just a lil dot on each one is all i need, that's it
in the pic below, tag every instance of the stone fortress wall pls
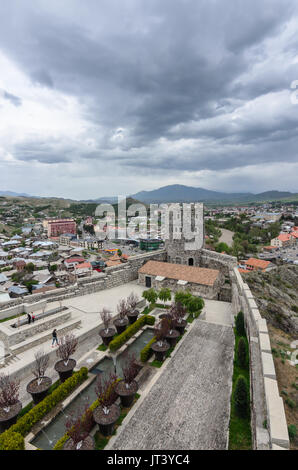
(266, 404)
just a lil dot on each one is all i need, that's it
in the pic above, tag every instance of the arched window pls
(190, 261)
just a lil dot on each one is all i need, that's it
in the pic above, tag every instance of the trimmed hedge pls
(12, 441)
(24, 425)
(130, 331)
(147, 352)
(60, 444)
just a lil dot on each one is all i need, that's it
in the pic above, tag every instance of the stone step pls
(44, 336)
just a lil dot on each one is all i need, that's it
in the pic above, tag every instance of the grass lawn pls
(239, 428)
(11, 318)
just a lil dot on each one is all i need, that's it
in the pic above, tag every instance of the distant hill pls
(181, 193)
(13, 194)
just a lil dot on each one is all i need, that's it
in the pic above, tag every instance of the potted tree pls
(107, 413)
(132, 313)
(172, 334)
(121, 322)
(106, 333)
(38, 387)
(161, 346)
(179, 312)
(66, 365)
(128, 387)
(78, 427)
(10, 405)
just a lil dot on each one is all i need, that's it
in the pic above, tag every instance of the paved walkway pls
(216, 311)
(188, 407)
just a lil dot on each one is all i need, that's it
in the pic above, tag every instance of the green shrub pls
(241, 397)
(12, 441)
(59, 444)
(121, 339)
(240, 328)
(292, 431)
(147, 352)
(26, 422)
(290, 403)
(241, 353)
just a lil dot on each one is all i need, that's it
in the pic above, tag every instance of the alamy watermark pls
(165, 221)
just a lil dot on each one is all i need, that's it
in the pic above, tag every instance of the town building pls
(284, 239)
(200, 281)
(255, 264)
(55, 227)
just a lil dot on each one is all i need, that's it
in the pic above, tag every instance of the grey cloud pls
(165, 70)
(15, 100)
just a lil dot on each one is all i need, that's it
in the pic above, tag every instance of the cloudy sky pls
(109, 97)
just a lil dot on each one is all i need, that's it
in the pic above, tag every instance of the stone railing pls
(268, 418)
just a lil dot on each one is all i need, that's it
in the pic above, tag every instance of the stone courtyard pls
(188, 406)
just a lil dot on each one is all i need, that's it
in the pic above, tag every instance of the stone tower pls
(185, 234)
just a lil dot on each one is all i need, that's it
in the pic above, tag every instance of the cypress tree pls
(241, 397)
(241, 353)
(240, 328)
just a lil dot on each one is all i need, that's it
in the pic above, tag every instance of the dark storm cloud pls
(160, 70)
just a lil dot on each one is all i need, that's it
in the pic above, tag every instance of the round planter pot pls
(181, 326)
(107, 336)
(120, 326)
(65, 371)
(160, 351)
(126, 395)
(88, 444)
(10, 418)
(132, 316)
(173, 337)
(39, 392)
(107, 422)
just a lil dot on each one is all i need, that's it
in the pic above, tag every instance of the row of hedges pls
(130, 331)
(13, 438)
(147, 352)
(240, 425)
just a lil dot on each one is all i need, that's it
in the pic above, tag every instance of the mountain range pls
(181, 193)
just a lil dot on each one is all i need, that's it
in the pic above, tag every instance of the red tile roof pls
(84, 265)
(181, 272)
(74, 260)
(284, 237)
(257, 263)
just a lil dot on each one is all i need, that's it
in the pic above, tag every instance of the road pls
(227, 236)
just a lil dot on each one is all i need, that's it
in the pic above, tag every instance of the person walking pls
(55, 339)
(29, 318)
(33, 317)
